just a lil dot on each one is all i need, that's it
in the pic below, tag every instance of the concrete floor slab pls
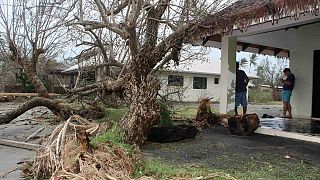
(10, 157)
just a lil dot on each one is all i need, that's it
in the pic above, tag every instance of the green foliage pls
(165, 114)
(243, 62)
(115, 136)
(22, 78)
(258, 96)
(115, 114)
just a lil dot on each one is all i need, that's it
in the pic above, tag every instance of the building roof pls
(211, 67)
(82, 64)
(244, 13)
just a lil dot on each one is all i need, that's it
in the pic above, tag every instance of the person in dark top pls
(242, 82)
(288, 85)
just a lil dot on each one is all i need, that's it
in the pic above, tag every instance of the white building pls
(189, 83)
(282, 28)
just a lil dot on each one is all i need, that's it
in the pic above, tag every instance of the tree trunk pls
(144, 111)
(54, 106)
(36, 82)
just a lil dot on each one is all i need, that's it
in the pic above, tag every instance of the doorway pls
(316, 85)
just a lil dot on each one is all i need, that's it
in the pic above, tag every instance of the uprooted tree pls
(152, 33)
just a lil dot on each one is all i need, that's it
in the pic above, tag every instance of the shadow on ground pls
(254, 157)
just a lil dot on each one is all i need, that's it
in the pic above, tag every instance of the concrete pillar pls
(228, 74)
(301, 64)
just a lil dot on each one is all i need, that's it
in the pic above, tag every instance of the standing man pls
(288, 85)
(242, 82)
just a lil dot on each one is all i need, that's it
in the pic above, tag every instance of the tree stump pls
(243, 125)
(205, 118)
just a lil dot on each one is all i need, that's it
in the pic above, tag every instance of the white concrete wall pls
(307, 40)
(190, 94)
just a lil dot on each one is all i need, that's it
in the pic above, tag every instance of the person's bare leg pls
(244, 110)
(289, 110)
(236, 110)
(285, 107)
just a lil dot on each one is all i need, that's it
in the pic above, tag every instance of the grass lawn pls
(272, 168)
(235, 166)
(189, 112)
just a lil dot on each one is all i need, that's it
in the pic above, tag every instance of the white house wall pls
(190, 94)
(307, 40)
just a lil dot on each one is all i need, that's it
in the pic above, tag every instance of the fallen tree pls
(55, 106)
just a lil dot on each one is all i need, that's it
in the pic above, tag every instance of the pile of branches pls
(205, 117)
(68, 154)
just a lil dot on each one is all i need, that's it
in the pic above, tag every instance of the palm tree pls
(252, 61)
(243, 62)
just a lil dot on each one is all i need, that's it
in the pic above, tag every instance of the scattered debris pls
(3, 175)
(7, 98)
(243, 125)
(266, 116)
(17, 144)
(68, 154)
(205, 118)
(33, 135)
(287, 157)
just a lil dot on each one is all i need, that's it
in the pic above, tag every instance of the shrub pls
(257, 95)
(165, 114)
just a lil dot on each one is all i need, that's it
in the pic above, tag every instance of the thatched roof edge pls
(244, 13)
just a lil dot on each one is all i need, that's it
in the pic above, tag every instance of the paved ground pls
(212, 148)
(257, 156)
(11, 158)
(19, 130)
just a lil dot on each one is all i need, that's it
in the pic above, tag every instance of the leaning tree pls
(154, 33)
(33, 32)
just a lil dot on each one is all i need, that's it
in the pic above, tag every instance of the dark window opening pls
(89, 76)
(199, 83)
(174, 80)
(216, 80)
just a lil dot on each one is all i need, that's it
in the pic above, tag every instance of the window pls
(216, 80)
(199, 83)
(174, 80)
(89, 76)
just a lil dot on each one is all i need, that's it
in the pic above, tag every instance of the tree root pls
(61, 157)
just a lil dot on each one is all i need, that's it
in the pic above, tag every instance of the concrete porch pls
(297, 40)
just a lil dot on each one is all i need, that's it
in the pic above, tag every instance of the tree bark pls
(30, 67)
(54, 106)
(144, 111)
(32, 74)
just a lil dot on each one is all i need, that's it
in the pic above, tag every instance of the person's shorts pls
(241, 98)
(286, 95)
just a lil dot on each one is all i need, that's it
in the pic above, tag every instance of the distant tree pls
(252, 61)
(270, 72)
(32, 32)
(243, 62)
